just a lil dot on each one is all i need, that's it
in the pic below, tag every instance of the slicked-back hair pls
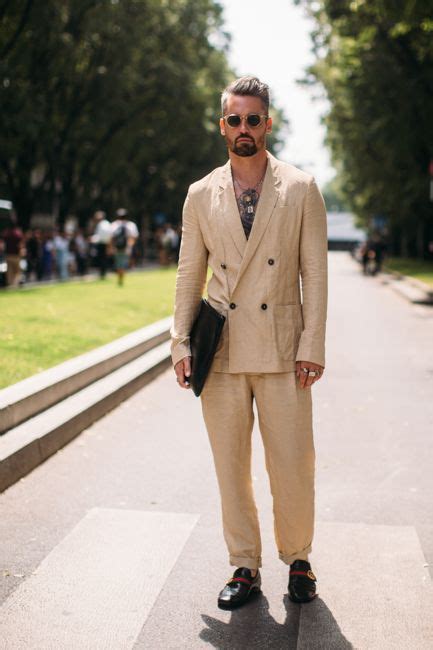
(246, 86)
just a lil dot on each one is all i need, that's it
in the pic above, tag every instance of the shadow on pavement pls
(252, 626)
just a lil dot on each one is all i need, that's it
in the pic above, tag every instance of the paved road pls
(115, 542)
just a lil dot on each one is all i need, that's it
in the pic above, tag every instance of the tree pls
(108, 103)
(375, 61)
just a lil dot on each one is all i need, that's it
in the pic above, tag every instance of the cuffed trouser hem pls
(300, 555)
(247, 562)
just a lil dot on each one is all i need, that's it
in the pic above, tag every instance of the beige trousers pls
(285, 420)
(13, 270)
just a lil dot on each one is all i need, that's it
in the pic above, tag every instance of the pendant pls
(248, 200)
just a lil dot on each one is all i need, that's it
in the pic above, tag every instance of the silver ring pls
(312, 373)
(305, 370)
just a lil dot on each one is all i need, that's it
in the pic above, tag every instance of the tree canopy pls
(375, 61)
(109, 103)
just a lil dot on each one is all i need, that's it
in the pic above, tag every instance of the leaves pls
(104, 103)
(375, 60)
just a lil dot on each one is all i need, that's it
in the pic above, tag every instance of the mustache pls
(244, 137)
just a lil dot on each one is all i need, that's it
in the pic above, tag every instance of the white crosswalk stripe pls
(96, 588)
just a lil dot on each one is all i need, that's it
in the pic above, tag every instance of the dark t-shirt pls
(34, 248)
(13, 238)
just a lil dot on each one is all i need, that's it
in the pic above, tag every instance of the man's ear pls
(269, 125)
(222, 126)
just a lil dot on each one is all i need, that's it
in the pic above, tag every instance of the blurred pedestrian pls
(379, 247)
(34, 255)
(363, 253)
(61, 252)
(171, 241)
(3, 264)
(161, 250)
(80, 247)
(123, 235)
(101, 238)
(47, 255)
(14, 245)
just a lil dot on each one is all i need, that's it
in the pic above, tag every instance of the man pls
(260, 225)
(170, 241)
(34, 255)
(61, 252)
(123, 236)
(101, 237)
(14, 243)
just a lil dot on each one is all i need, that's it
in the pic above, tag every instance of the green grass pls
(43, 326)
(419, 269)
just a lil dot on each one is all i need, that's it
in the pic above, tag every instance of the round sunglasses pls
(252, 119)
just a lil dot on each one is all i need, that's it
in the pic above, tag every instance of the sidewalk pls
(410, 288)
(115, 542)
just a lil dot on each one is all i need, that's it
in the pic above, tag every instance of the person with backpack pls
(123, 235)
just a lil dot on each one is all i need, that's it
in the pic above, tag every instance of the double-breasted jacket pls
(272, 288)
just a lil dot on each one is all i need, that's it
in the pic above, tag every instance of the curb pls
(425, 290)
(414, 291)
(24, 447)
(35, 394)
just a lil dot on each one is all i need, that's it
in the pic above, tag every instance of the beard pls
(242, 149)
(245, 149)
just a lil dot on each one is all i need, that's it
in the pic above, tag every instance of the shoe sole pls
(255, 591)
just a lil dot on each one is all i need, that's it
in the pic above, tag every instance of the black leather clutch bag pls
(204, 338)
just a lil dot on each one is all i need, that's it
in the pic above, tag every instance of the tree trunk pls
(404, 245)
(420, 248)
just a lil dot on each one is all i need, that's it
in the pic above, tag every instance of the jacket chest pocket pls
(287, 329)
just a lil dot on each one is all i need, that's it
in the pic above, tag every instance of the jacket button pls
(271, 261)
(223, 266)
(264, 306)
(232, 305)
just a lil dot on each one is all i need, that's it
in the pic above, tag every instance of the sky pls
(271, 39)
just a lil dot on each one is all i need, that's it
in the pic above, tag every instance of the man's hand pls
(183, 372)
(304, 379)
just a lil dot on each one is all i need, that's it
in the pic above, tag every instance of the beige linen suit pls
(256, 284)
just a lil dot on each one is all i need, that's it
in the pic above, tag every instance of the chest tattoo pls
(247, 204)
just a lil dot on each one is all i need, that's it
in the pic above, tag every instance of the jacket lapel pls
(228, 208)
(265, 208)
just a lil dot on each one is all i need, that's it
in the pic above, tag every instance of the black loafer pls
(239, 589)
(302, 582)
